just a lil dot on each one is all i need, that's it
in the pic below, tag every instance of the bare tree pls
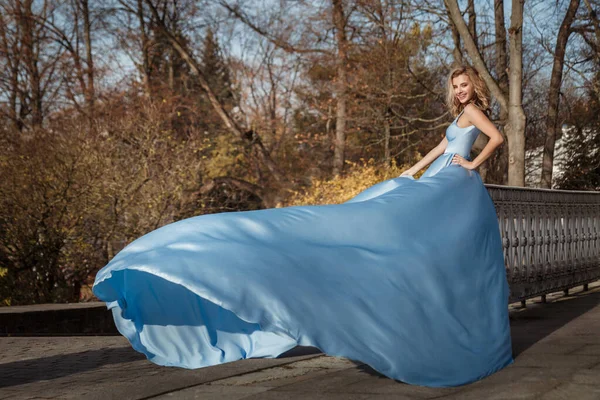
(73, 33)
(339, 22)
(33, 61)
(10, 49)
(249, 136)
(512, 104)
(554, 93)
(389, 95)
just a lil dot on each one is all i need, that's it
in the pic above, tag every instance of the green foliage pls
(218, 76)
(216, 71)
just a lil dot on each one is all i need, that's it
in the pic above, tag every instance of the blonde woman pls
(468, 99)
(407, 277)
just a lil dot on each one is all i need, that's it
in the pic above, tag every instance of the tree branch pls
(474, 53)
(252, 138)
(280, 43)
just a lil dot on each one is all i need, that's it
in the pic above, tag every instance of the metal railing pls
(551, 239)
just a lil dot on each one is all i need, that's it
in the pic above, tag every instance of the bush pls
(357, 178)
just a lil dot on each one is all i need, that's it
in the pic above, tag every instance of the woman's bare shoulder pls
(475, 115)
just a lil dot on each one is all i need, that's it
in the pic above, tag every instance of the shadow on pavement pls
(300, 351)
(53, 367)
(531, 325)
(307, 350)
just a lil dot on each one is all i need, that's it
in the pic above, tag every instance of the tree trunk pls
(17, 123)
(340, 89)
(500, 44)
(78, 62)
(497, 164)
(145, 56)
(472, 20)
(26, 23)
(172, 69)
(272, 104)
(456, 52)
(9, 46)
(515, 129)
(554, 94)
(90, 93)
(386, 139)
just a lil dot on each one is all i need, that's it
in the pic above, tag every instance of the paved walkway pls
(556, 345)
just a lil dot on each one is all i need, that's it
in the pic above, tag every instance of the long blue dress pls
(407, 277)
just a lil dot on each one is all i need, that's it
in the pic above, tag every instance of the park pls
(240, 185)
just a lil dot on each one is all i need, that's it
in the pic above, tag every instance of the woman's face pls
(463, 88)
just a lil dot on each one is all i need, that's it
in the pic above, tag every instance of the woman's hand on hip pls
(463, 162)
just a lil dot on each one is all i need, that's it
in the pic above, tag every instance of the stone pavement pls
(556, 348)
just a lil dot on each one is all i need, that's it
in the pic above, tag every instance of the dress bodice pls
(460, 140)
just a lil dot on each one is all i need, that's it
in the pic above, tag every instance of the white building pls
(533, 160)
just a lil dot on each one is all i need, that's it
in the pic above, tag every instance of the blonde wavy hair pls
(481, 96)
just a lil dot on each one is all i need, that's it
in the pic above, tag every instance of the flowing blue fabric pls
(407, 277)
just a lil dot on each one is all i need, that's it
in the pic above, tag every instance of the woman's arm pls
(476, 117)
(428, 159)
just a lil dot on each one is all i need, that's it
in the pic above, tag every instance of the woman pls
(466, 94)
(407, 277)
